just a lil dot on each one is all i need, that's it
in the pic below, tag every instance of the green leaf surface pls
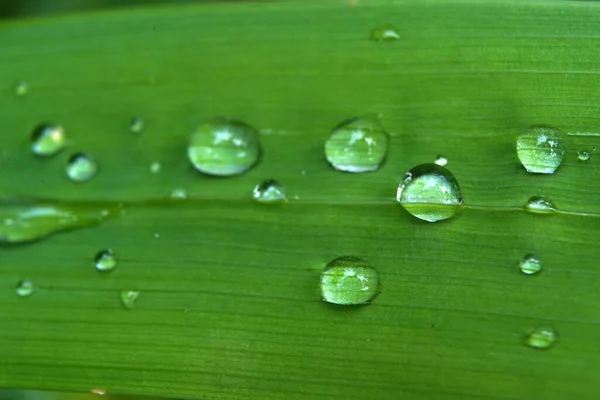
(229, 304)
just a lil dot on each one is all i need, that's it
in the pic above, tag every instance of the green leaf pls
(229, 304)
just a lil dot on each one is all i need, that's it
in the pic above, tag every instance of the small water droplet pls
(349, 281)
(224, 147)
(156, 235)
(357, 145)
(583, 155)
(129, 297)
(179, 194)
(98, 391)
(48, 140)
(541, 337)
(541, 149)
(530, 264)
(105, 260)
(441, 161)
(24, 288)
(136, 125)
(540, 205)
(81, 167)
(155, 167)
(269, 191)
(385, 33)
(430, 192)
(21, 88)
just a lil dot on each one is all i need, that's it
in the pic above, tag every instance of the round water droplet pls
(349, 281)
(269, 191)
(441, 161)
(540, 205)
(48, 139)
(136, 125)
(530, 264)
(81, 167)
(541, 149)
(430, 192)
(542, 337)
(155, 167)
(24, 288)
(357, 145)
(224, 147)
(583, 155)
(129, 298)
(178, 194)
(105, 260)
(385, 33)
(21, 88)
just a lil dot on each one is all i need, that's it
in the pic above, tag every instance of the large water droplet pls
(81, 167)
(349, 281)
(541, 149)
(21, 88)
(541, 337)
(105, 260)
(540, 205)
(24, 288)
(430, 192)
(269, 191)
(357, 145)
(385, 33)
(48, 139)
(136, 125)
(583, 155)
(129, 298)
(224, 147)
(530, 264)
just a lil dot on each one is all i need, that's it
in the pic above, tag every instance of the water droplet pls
(48, 139)
(136, 125)
(430, 192)
(21, 88)
(349, 281)
(583, 155)
(98, 391)
(106, 260)
(24, 288)
(385, 33)
(224, 147)
(156, 235)
(129, 297)
(269, 191)
(540, 205)
(155, 167)
(541, 149)
(542, 337)
(81, 167)
(178, 194)
(357, 145)
(441, 161)
(530, 264)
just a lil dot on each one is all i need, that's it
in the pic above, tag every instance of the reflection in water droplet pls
(530, 264)
(385, 33)
(48, 139)
(541, 149)
(430, 192)
(105, 260)
(136, 125)
(21, 88)
(178, 194)
(129, 298)
(24, 288)
(81, 167)
(269, 191)
(349, 281)
(155, 167)
(583, 155)
(542, 337)
(357, 145)
(540, 205)
(224, 147)
(441, 161)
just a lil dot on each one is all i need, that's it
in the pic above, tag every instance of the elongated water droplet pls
(81, 167)
(430, 192)
(105, 260)
(349, 281)
(357, 145)
(541, 337)
(48, 140)
(24, 288)
(583, 155)
(178, 194)
(129, 298)
(541, 149)
(540, 205)
(21, 88)
(530, 264)
(224, 147)
(441, 161)
(155, 167)
(136, 125)
(385, 33)
(269, 191)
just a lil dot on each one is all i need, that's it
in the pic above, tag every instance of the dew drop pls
(24, 288)
(136, 125)
(48, 140)
(21, 88)
(269, 191)
(530, 264)
(224, 147)
(81, 167)
(430, 192)
(441, 161)
(129, 298)
(178, 193)
(357, 145)
(540, 205)
(583, 155)
(155, 167)
(541, 337)
(385, 33)
(105, 260)
(349, 281)
(541, 149)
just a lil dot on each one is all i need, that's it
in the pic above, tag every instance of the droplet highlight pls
(105, 260)
(540, 205)
(24, 288)
(129, 298)
(530, 264)
(541, 337)
(269, 191)
(583, 155)
(541, 149)
(81, 167)
(48, 139)
(136, 125)
(349, 281)
(385, 33)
